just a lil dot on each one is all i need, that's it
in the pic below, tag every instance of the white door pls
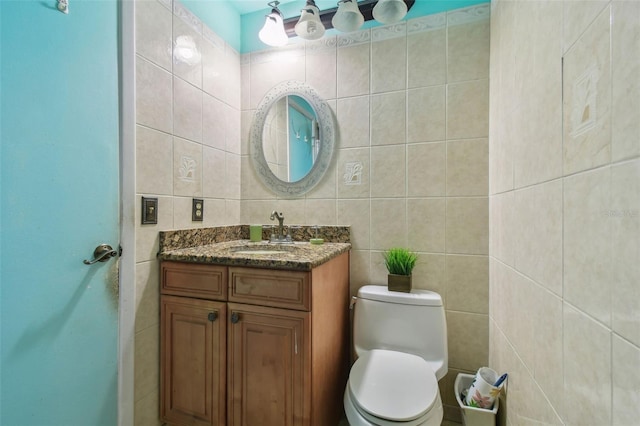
(60, 200)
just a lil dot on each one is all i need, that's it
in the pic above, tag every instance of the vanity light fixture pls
(309, 27)
(272, 33)
(389, 11)
(348, 17)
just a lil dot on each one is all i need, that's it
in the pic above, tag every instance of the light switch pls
(149, 211)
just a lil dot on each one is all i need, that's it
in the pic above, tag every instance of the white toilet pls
(401, 343)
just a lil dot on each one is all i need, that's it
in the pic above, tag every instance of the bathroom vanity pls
(254, 334)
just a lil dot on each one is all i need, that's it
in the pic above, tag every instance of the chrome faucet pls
(280, 238)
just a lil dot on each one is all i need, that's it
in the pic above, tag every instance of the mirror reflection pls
(290, 140)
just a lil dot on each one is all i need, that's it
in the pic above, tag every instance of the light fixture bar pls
(366, 8)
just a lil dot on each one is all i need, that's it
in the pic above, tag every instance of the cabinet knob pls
(212, 316)
(235, 317)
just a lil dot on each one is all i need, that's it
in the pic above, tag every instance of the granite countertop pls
(301, 256)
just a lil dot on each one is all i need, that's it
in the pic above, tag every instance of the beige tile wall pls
(412, 103)
(187, 145)
(565, 210)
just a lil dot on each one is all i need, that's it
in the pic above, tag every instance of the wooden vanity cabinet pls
(268, 366)
(193, 361)
(285, 346)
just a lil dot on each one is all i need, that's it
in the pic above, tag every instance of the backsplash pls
(171, 240)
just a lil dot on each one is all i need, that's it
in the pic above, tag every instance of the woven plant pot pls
(399, 283)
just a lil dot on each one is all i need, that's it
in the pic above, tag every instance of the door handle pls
(102, 253)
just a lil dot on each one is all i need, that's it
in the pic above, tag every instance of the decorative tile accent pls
(324, 44)
(427, 23)
(356, 155)
(185, 14)
(187, 169)
(470, 14)
(585, 93)
(388, 32)
(354, 38)
(587, 71)
(353, 173)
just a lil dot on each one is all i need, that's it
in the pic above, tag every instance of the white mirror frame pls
(327, 139)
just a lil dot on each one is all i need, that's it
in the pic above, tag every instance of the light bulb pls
(389, 11)
(348, 17)
(309, 27)
(272, 33)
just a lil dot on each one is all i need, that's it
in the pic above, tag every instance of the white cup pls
(482, 393)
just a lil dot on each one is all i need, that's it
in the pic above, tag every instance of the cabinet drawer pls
(270, 287)
(194, 280)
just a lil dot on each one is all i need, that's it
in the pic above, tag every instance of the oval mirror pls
(292, 138)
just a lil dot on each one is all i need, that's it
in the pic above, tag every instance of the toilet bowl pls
(400, 341)
(388, 388)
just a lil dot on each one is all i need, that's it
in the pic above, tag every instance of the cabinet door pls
(269, 366)
(193, 357)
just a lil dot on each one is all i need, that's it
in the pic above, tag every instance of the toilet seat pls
(391, 388)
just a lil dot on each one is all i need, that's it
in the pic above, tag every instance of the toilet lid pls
(393, 385)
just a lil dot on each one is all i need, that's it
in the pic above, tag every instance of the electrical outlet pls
(149, 211)
(197, 210)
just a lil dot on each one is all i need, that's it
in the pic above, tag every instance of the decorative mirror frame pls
(327, 139)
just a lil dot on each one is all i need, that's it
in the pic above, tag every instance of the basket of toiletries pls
(477, 396)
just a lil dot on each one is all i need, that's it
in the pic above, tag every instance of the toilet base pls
(356, 419)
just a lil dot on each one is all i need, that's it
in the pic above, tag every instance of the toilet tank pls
(406, 322)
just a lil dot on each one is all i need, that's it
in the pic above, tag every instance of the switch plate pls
(149, 211)
(197, 210)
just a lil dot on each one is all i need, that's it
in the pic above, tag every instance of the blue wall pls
(300, 150)
(221, 17)
(59, 104)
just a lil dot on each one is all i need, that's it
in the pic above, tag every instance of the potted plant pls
(399, 262)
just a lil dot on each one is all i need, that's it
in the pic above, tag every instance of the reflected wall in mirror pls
(292, 138)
